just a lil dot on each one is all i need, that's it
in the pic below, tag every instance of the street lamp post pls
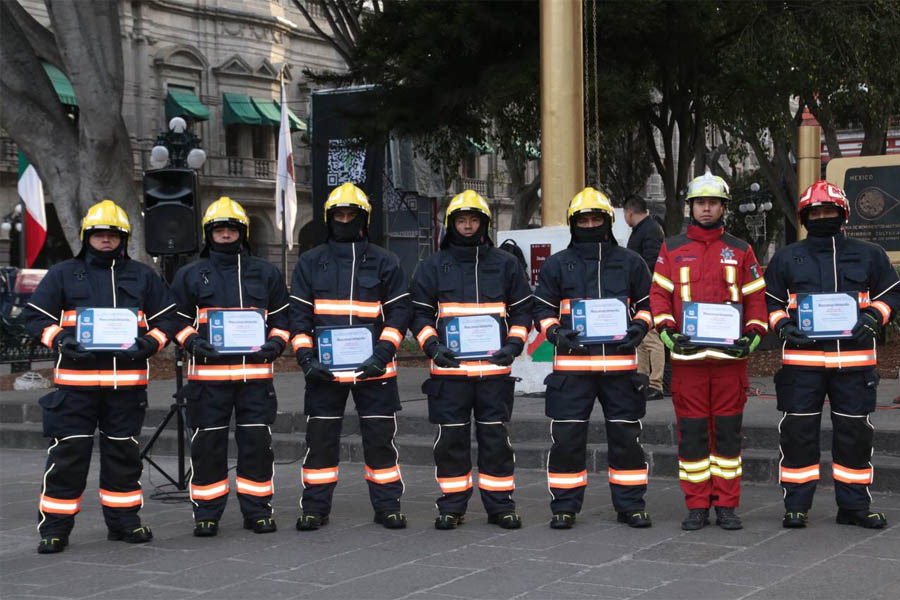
(178, 147)
(755, 206)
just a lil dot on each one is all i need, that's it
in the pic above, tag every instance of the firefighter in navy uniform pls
(349, 281)
(594, 266)
(226, 276)
(105, 389)
(843, 369)
(709, 383)
(471, 277)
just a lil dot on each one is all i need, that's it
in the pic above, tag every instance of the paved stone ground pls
(353, 558)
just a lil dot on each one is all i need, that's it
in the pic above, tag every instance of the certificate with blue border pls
(827, 316)
(473, 337)
(600, 320)
(712, 324)
(344, 347)
(237, 330)
(106, 328)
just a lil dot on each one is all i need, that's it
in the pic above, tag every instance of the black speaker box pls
(171, 212)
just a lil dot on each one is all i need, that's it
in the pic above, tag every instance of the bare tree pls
(344, 21)
(86, 160)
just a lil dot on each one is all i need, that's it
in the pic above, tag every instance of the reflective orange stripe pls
(211, 491)
(254, 488)
(645, 316)
(121, 499)
(185, 333)
(819, 358)
(567, 480)
(863, 299)
(317, 476)
(347, 307)
(159, 336)
(632, 477)
(50, 333)
(388, 475)
(461, 309)
(426, 333)
(549, 321)
(59, 506)
(777, 315)
(390, 370)
(392, 335)
(799, 475)
(450, 485)
(472, 368)
(103, 378)
(518, 331)
(238, 372)
(565, 307)
(280, 333)
(301, 340)
(848, 475)
(884, 309)
(564, 362)
(496, 484)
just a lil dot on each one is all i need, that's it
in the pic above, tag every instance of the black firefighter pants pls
(70, 418)
(451, 404)
(209, 407)
(376, 403)
(801, 396)
(569, 401)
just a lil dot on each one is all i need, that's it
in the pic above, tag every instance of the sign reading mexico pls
(872, 184)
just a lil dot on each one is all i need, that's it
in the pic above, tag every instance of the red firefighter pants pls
(709, 403)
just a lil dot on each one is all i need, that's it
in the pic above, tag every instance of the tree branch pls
(321, 32)
(41, 39)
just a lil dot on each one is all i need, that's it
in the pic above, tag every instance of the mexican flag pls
(32, 194)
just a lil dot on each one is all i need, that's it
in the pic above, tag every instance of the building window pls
(232, 140)
(263, 142)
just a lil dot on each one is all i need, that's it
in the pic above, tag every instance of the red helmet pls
(822, 192)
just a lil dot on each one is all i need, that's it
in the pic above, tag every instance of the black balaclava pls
(601, 233)
(476, 239)
(824, 227)
(720, 222)
(352, 231)
(231, 247)
(106, 255)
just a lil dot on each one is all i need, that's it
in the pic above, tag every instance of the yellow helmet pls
(105, 215)
(226, 211)
(590, 200)
(348, 195)
(467, 201)
(708, 186)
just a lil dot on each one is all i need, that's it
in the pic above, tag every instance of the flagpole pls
(284, 240)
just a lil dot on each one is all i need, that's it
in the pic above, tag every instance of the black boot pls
(863, 518)
(562, 520)
(261, 524)
(138, 535)
(208, 528)
(726, 519)
(448, 521)
(697, 518)
(635, 518)
(794, 520)
(52, 543)
(506, 520)
(391, 520)
(311, 521)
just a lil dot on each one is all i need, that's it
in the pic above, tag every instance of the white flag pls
(284, 180)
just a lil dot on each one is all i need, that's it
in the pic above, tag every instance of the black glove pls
(565, 340)
(143, 348)
(678, 342)
(633, 336)
(201, 348)
(504, 356)
(866, 328)
(376, 365)
(794, 335)
(68, 346)
(442, 355)
(315, 371)
(268, 352)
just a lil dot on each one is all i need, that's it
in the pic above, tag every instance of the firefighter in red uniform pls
(844, 368)
(345, 282)
(470, 277)
(708, 383)
(594, 266)
(97, 388)
(227, 277)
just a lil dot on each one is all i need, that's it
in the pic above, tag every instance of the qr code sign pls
(346, 162)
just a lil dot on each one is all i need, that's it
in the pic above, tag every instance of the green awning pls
(239, 110)
(61, 84)
(296, 123)
(181, 102)
(267, 109)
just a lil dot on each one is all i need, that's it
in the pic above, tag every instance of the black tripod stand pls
(177, 409)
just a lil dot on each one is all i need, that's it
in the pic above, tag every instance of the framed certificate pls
(600, 320)
(106, 328)
(473, 337)
(827, 315)
(345, 346)
(712, 324)
(237, 330)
